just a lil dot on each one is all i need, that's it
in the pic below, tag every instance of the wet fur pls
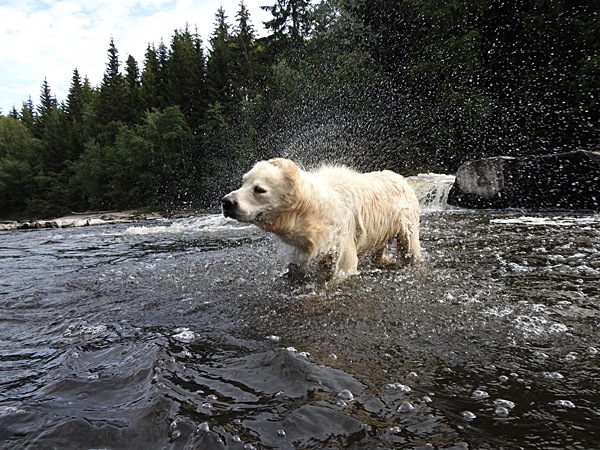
(333, 216)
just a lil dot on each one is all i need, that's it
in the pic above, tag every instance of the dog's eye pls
(259, 190)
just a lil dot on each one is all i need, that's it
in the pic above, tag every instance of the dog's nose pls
(228, 204)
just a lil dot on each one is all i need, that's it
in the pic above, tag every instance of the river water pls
(186, 334)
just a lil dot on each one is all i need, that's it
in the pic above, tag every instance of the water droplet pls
(406, 407)
(504, 403)
(203, 428)
(413, 375)
(304, 354)
(333, 356)
(212, 397)
(503, 378)
(281, 433)
(571, 356)
(236, 438)
(399, 387)
(501, 411)
(346, 395)
(427, 399)
(395, 430)
(540, 355)
(249, 447)
(478, 393)
(291, 349)
(468, 415)
(273, 338)
(553, 375)
(565, 404)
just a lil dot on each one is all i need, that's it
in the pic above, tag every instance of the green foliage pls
(411, 86)
(17, 146)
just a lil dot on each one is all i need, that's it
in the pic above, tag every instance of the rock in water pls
(564, 180)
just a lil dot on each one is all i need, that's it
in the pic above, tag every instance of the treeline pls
(406, 85)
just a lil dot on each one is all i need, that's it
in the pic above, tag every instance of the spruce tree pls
(28, 115)
(74, 112)
(291, 24)
(13, 112)
(74, 108)
(45, 108)
(219, 73)
(114, 94)
(185, 76)
(149, 94)
(49, 126)
(244, 49)
(132, 81)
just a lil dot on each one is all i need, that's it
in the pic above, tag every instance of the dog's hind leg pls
(381, 259)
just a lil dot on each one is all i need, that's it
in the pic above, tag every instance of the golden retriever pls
(334, 215)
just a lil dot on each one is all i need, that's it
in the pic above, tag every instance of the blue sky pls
(49, 38)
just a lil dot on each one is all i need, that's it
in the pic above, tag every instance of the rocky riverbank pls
(81, 220)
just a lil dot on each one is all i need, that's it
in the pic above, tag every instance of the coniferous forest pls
(405, 85)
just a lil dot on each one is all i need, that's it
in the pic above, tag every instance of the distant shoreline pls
(91, 218)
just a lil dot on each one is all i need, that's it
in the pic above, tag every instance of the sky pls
(48, 39)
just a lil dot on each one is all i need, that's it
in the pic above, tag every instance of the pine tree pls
(27, 115)
(244, 49)
(150, 97)
(45, 108)
(114, 95)
(75, 99)
(74, 112)
(291, 24)
(185, 76)
(219, 72)
(162, 54)
(132, 81)
(13, 113)
(49, 126)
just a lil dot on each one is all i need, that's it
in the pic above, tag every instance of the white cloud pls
(50, 38)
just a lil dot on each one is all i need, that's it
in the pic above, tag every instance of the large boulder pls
(564, 180)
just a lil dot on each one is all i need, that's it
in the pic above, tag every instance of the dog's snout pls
(228, 203)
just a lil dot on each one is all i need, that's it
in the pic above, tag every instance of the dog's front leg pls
(347, 262)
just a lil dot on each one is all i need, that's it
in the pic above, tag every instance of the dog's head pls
(268, 190)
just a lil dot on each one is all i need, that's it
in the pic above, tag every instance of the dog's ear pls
(289, 168)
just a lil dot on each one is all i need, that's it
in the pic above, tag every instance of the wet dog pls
(333, 216)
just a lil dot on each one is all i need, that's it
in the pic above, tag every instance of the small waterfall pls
(432, 190)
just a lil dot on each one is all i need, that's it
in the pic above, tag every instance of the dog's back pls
(368, 194)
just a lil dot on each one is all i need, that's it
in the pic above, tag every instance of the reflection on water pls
(185, 334)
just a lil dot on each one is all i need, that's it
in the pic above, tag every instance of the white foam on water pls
(82, 329)
(548, 221)
(184, 335)
(207, 223)
(10, 410)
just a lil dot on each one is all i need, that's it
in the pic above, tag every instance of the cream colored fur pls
(334, 215)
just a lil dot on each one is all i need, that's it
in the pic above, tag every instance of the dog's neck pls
(303, 225)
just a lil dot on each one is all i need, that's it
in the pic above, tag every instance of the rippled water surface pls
(186, 334)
